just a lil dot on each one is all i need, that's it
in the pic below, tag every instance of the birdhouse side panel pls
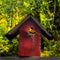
(29, 40)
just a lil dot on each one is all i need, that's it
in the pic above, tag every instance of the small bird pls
(31, 31)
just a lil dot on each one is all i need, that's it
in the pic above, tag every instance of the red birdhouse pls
(29, 31)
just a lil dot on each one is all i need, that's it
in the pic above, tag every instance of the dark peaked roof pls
(12, 33)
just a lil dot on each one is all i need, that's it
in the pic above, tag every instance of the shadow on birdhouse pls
(30, 31)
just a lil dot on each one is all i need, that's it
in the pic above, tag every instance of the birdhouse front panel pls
(29, 39)
(29, 31)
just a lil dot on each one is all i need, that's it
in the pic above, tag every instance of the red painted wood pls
(29, 45)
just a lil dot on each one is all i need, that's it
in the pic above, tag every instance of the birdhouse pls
(29, 31)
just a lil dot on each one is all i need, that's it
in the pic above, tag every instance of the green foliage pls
(59, 2)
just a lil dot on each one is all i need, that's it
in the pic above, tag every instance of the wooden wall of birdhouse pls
(30, 39)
